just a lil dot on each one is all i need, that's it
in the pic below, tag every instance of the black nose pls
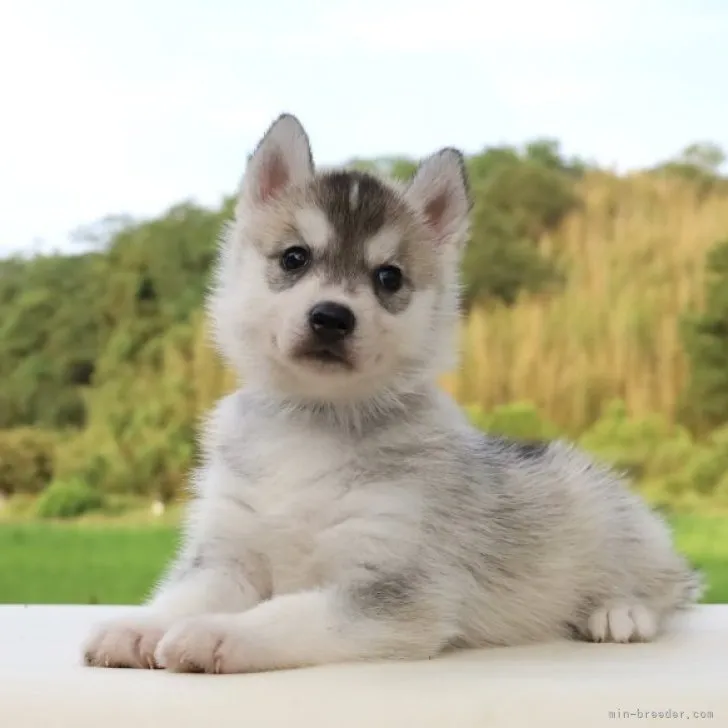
(331, 321)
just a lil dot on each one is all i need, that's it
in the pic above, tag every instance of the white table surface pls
(43, 683)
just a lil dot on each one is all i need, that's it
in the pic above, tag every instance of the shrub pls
(644, 448)
(27, 459)
(519, 420)
(705, 473)
(68, 499)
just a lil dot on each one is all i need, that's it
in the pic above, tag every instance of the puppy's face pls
(336, 285)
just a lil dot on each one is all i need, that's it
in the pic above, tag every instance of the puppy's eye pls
(294, 258)
(389, 278)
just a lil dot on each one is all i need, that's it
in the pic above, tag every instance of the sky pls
(129, 108)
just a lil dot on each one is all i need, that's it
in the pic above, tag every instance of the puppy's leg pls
(131, 641)
(640, 618)
(656, 584)
(380, 619)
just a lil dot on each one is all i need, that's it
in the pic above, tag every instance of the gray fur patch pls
(186, 565)
(386, 595)
(345, 256)
(523, 449)
(353, 226)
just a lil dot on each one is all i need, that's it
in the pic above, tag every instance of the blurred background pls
(596, 277)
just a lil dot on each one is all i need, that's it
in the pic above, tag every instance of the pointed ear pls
(440, 191)
(281, 159)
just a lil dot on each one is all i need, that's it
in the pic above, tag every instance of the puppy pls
(345, 509)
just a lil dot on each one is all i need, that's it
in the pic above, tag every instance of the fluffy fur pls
(345, 509)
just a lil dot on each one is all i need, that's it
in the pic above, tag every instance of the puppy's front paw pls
(622, 623)
(127, 642)
(203, 644)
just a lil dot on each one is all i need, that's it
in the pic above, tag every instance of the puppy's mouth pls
(325, 355)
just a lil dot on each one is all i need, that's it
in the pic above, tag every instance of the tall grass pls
(634, 254)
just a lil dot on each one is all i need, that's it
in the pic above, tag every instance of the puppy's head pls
(338, 286)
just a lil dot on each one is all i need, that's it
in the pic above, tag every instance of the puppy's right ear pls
(281, 159)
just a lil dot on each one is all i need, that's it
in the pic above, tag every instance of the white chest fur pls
(309, 502)
(291, 499)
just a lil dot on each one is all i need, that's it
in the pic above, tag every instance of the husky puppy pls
(345, 509)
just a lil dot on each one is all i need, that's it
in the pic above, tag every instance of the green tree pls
(48, 339)
(518, 198)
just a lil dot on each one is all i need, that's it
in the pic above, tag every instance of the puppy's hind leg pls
(639, 618)
(620, 622)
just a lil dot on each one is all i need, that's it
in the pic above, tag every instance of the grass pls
(704, 540)
(118, 562)
(84, 563)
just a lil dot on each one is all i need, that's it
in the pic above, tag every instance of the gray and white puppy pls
(345, 509)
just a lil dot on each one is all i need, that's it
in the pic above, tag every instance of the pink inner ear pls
(435, 210)
(273, 176)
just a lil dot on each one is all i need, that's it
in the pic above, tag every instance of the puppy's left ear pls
(440, 191)
(282, 159)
